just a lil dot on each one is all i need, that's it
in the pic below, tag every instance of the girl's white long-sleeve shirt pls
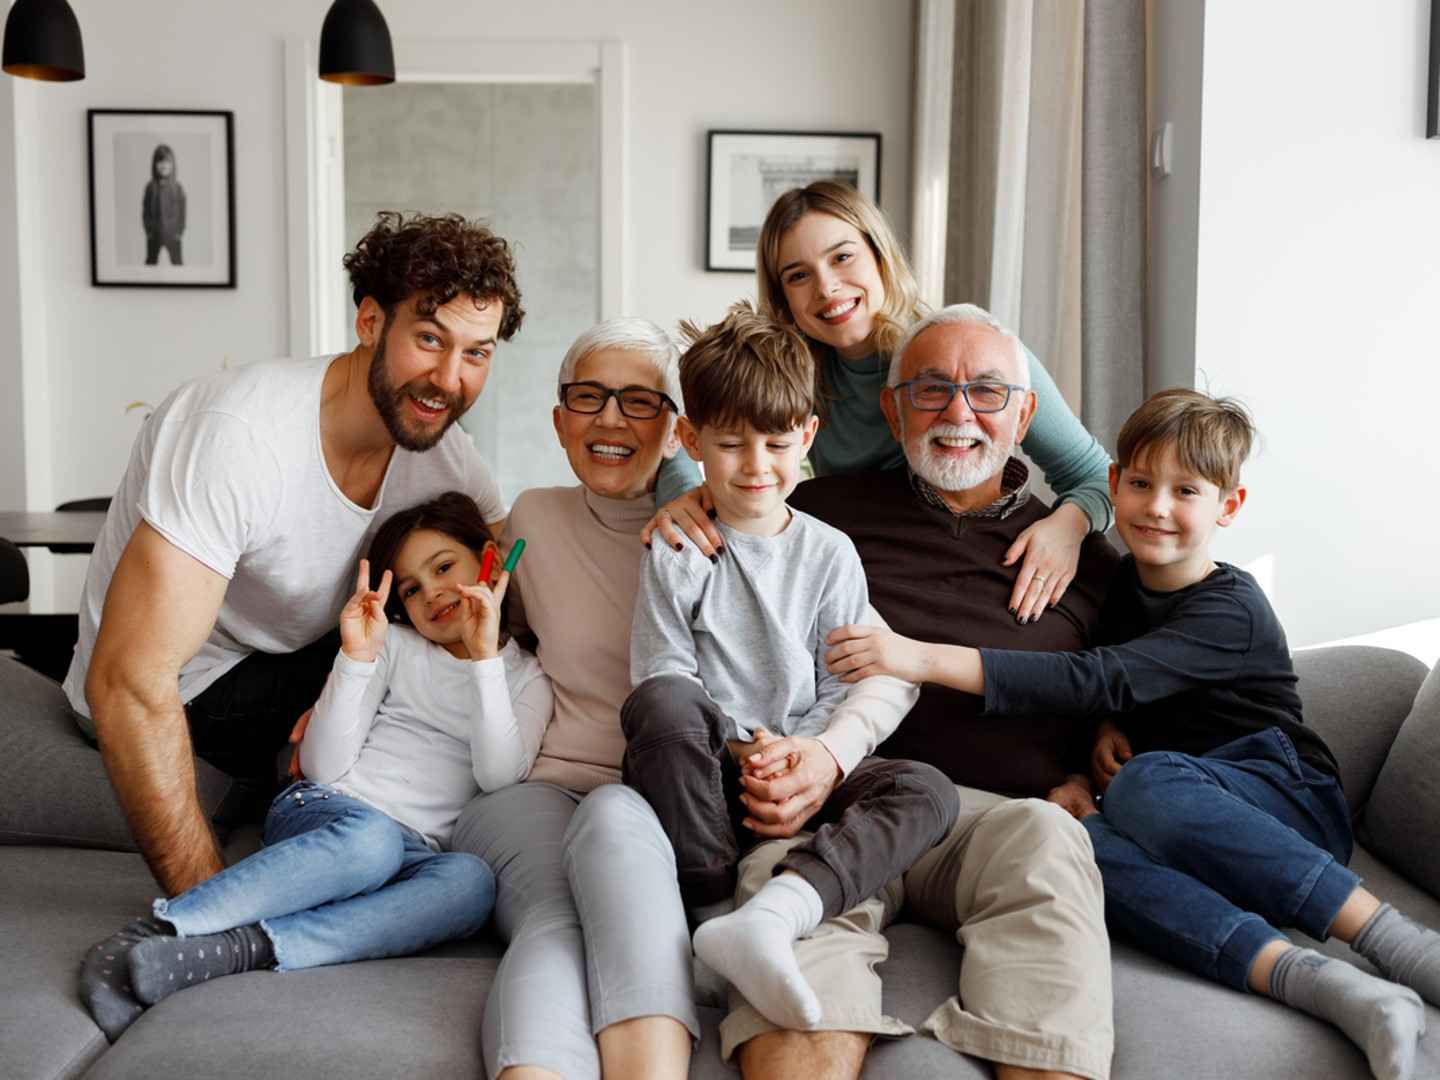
(417, 733)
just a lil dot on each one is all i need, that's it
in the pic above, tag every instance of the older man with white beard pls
(1015, 879)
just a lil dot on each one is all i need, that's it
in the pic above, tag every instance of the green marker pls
(514, 556)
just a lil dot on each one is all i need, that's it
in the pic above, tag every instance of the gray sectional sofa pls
(67, 880)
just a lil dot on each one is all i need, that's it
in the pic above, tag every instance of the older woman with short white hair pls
(597, 976)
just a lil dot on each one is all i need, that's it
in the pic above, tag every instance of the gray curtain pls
(1113, 215)
(1046, 223)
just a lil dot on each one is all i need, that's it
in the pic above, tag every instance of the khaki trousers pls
(1015, 881)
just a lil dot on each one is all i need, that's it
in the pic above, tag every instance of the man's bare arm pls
(160, 607)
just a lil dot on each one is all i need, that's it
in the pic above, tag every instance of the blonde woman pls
(828, 262)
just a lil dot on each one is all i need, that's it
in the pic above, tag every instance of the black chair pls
(14, 574)
(79, 506)
(44, 642)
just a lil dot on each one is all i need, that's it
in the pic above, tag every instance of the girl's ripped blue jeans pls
(1204, 857)
(338, 880)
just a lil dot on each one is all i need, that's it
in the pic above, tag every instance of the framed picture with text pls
(749, 170)
(162, 198)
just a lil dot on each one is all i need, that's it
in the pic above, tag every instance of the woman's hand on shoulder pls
(690, 516)
(1051, 552)
(362, 619)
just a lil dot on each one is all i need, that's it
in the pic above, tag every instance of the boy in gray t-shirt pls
(727, 653)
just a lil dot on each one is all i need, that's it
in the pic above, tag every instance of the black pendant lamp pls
(355, 45)
(42, 41)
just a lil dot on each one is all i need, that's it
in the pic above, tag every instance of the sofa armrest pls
(1356, 697)
(1402, 817)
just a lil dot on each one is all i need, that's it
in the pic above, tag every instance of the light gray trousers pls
(588, 901)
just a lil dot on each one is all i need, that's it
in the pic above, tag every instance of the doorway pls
(522, 157)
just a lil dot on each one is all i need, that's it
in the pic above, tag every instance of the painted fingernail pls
(647, 545)
(715, 558)
(720, 550)
(1012, 610)
(679, 547)
(710, 513)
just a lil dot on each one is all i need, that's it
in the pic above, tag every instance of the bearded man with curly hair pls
(231, 545)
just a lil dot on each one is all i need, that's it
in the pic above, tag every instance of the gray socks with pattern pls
(1383, 1019)
(1403, 951)
(754, 948)
(160, 966)
(105, 977)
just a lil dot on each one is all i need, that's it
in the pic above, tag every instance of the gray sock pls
(1403, 951)
(160, 966)
(1383, 1019)
(105, 978)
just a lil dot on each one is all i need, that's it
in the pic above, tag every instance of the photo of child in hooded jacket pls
(162, 211)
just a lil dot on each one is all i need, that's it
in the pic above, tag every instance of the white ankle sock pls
(754, 948)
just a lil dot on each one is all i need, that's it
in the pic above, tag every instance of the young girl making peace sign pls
(413, 721)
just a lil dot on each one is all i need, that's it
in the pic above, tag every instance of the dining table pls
(73, 531)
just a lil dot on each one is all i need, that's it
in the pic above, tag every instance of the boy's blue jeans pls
(338, 880)
(1203, 857)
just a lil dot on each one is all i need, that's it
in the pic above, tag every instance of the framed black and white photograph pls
(749, 170)
(162, 198)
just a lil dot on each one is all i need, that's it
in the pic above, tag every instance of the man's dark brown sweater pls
(937, 576)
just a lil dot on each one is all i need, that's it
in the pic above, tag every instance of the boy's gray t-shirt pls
(752, 626)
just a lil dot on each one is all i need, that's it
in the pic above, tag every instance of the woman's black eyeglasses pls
(636, 402)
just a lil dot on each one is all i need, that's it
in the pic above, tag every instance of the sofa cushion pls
(1402, 820)
(55, 785)
(1170, 1023)
(420, 1016)
(1333, 681)
(416, 1016)
(54, 904)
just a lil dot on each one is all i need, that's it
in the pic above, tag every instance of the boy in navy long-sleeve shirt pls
(1222, 813)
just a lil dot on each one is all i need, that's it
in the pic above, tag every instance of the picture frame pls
(746, 171)
(1432, 97)
(162, 198)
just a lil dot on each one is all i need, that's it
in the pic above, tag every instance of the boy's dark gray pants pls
(876, 823)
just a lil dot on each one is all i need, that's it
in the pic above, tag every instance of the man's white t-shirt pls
(229, 469)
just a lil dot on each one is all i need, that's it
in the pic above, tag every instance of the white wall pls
(1317, 288)
(837, 65)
